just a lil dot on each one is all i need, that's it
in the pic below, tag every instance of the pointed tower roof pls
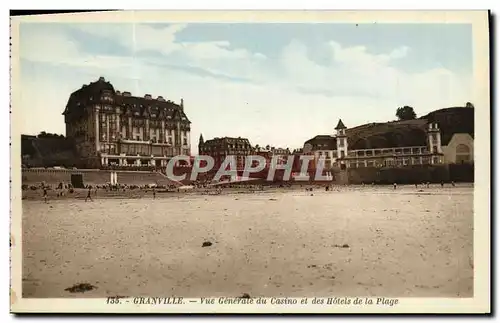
(201, 138)
(340, 125)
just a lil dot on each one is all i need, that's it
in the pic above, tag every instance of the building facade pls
(116, 128)
(322, 146)
(460, 149)
(268, 152)
(220, 148)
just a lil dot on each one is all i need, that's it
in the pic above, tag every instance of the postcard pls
(250, 162)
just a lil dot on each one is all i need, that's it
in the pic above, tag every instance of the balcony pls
(399, 151)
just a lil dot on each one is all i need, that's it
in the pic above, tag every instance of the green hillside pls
(413, 132)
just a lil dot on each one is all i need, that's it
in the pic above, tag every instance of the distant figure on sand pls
(453, 183)
(428, 184)
(88, 195)
(154, 193)
(416, 185)
(45, 194)
(442, 183)
(395, 185)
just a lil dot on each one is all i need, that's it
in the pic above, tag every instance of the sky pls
(278, 84)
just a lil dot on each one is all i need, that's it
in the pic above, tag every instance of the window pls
(463, 154)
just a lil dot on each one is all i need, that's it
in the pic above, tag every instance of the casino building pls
(424, 147)
(113, 128)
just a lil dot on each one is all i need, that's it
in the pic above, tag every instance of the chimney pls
(126, 93)
(101, 79)
(160, 98)
(118, 93)
(182, 103)
(148, 96)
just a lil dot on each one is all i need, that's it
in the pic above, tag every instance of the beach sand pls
(352, 241)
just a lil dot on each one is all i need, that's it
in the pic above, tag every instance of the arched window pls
(462, 153)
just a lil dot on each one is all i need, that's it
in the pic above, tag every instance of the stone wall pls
(462, 172)
(412, 174)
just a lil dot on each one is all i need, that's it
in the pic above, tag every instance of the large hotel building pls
(113, 128)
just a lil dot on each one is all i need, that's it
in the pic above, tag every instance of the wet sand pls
(353, 241)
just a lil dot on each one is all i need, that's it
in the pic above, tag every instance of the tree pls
(406, 113)
(469, 105)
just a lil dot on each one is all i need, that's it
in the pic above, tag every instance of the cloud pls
(399, 52)
(138, 37)
(354, 72)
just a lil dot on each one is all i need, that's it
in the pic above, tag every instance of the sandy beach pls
(352, 241)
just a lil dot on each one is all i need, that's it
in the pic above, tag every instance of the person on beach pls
(442, 184)
(395, 185)
(88, 195)
(45, 196)
(453, 183)
(416, 185)
(154, 193)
